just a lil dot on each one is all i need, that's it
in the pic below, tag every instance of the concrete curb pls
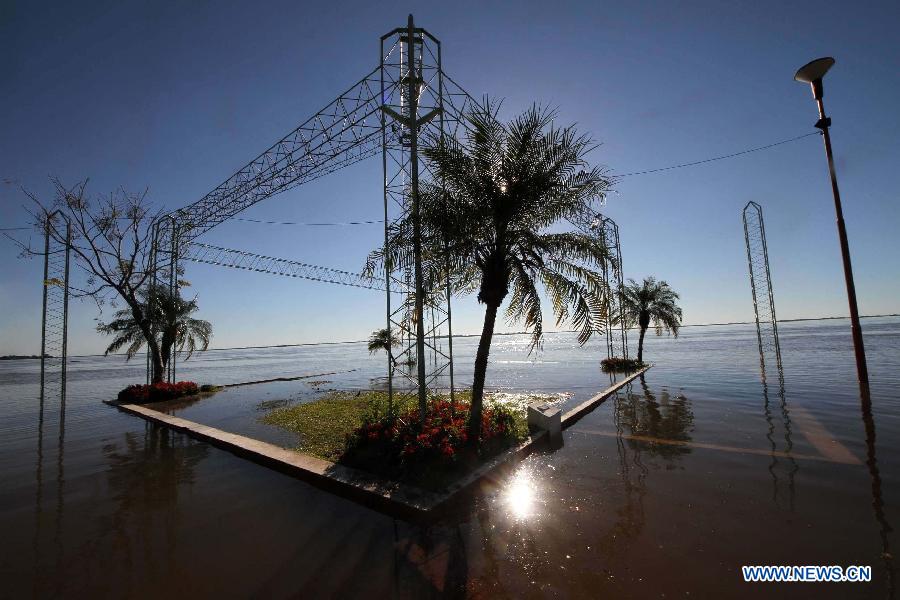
(572, 416)
(394, 498)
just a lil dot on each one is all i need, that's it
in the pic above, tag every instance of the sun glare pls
(520, 495)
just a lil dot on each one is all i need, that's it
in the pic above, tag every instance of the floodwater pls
(665, 490)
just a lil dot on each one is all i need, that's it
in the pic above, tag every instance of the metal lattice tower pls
(615, 327)
(55, 314)
(406, 96)
(416, 105)
(761, 285)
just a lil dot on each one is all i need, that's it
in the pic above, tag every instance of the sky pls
(175, 97)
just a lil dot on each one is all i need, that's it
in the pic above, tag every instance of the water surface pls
(665, 489)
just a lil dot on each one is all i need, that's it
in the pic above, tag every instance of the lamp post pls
(812, 74)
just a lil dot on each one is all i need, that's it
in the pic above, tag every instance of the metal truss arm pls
(239, 259)
(346, 131)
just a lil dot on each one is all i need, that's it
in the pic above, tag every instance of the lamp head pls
(813, 72)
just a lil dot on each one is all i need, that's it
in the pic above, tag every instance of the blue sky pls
(176, 97)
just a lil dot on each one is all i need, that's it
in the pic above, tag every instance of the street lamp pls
(812, 74)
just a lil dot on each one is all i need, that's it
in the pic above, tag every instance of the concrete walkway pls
(382, 494)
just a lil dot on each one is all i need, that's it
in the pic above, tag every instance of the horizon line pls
(462, 335)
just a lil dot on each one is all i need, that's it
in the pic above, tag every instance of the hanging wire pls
(723, 157)
(309, 224)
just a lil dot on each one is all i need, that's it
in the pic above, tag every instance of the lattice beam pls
(55, 313)
(761, 284)
(239, 259)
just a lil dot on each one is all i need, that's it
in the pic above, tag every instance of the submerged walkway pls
(376, 492)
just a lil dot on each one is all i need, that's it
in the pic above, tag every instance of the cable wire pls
(308, 224)
(708, 160)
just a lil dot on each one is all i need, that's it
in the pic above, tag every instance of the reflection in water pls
(884, 528)
(37, 541)
(429, 561)
(667, 419)
(144, 475)
(791, 464)
(632, 516)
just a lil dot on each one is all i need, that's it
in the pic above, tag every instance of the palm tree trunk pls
(156, 362)
(481, 362)
(641, 345)
(166, 349)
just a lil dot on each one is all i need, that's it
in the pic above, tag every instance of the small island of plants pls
(357, 430)
(161, 391)
(617, 364)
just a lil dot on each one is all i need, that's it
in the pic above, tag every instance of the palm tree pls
(493, 197)
(383, 339)
(650, 301)
(170, 314)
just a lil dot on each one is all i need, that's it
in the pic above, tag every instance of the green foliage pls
(485, 220)
(617, 364)
(651, 302)
(494, 194)
(432, 451)
(327, 427)
(170, 314)
(323, 425)
(383, 339)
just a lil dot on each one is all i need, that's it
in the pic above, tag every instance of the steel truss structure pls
(407, 96)
(761, 285)
(239, 259)
(616, 329)
(55, 313)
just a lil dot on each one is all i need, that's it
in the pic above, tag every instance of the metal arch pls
(595, 223)
(55, 308)
(761, 284)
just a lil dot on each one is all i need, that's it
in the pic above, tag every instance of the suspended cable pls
(708, 160)
(309, 224)
(632, 174)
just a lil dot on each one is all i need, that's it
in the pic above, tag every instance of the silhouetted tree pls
(111, 243)
(493, 196)
(170, 314)
(383, 339)
(650, 301)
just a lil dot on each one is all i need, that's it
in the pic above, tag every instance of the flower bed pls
(431, 452)
(157, 392)
(353, 428)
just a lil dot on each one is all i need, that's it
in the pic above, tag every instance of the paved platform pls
(379, 493)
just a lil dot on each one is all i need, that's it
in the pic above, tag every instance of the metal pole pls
(762, 362)
(151, 293)
(174, 293)
(862, 370)
(412, 80)
(44, 309)
(65, 332)
(446, 240)
(388, 266)
(765, 248)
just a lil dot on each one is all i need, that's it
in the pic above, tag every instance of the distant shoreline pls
(24, 356)
(457, 335)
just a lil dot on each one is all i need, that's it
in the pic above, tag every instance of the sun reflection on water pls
(520, 496)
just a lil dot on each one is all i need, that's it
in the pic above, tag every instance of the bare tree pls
(111, 242)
